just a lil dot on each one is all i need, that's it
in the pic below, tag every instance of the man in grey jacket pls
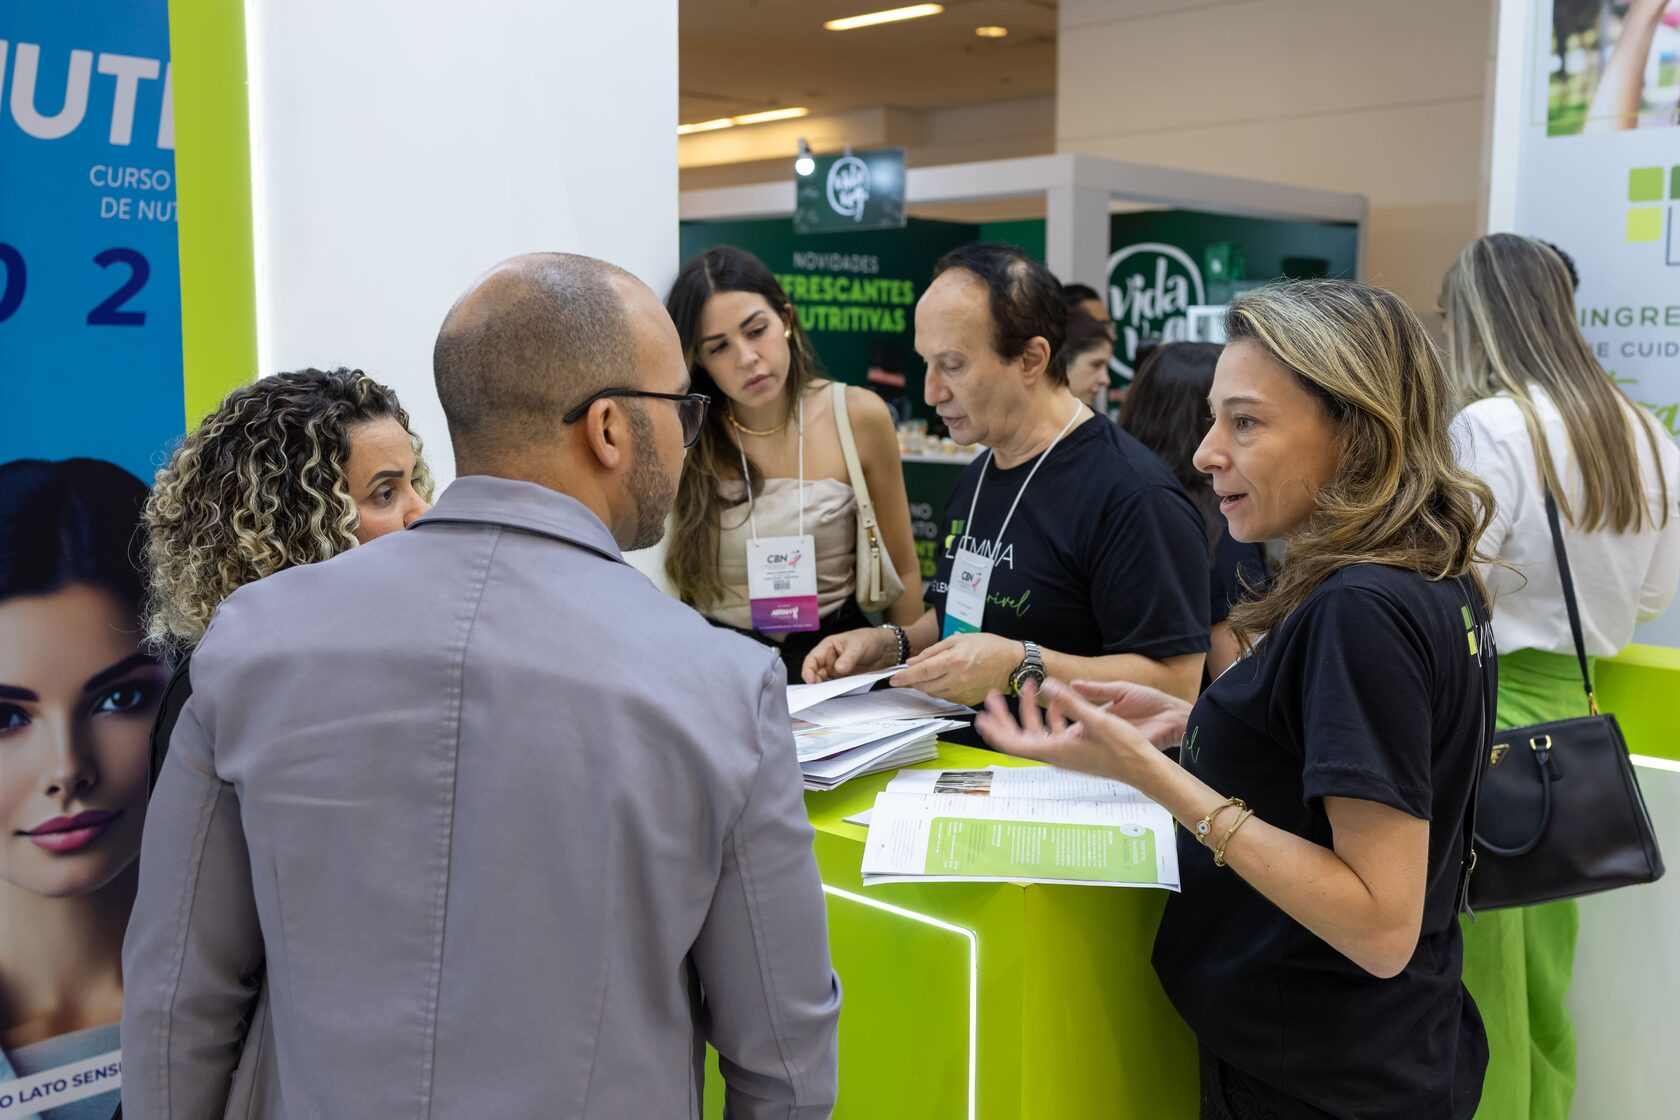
(512, 833)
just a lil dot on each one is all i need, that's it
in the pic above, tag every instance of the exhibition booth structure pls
(1158, 244)
(329, 216)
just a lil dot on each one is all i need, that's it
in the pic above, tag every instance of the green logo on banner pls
(1150, 287)
(853, 191)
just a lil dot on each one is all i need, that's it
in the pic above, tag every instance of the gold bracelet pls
(1219, 852)
(1200, 828)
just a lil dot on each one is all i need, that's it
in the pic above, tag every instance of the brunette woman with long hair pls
(769, 463)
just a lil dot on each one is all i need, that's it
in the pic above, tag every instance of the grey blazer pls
(513, 832)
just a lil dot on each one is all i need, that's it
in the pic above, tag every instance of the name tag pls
(782, 583)
(965, 599)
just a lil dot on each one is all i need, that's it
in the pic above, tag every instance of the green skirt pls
(1517, 962)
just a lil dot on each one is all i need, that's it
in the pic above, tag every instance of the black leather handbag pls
(1560, 812)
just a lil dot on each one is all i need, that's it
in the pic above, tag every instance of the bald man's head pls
(531, 339)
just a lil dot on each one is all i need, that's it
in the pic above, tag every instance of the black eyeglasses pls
(691, 409)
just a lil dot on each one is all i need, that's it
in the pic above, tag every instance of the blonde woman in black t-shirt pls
(1324, 780)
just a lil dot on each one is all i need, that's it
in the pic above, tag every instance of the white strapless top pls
(830, 518)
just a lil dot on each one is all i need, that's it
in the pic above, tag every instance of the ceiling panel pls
(741, 56)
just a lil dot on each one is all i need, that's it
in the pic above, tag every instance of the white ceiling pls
(741, 56)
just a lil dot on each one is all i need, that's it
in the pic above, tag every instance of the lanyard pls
(968, 526)
(747, 479)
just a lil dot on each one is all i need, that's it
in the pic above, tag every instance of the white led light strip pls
(973, 972)
(254, 90)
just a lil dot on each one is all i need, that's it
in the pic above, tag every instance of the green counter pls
(992, 1001)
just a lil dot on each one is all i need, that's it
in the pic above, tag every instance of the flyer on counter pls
(1018, 825)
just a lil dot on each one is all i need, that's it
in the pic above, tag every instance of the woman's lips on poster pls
(70, 834)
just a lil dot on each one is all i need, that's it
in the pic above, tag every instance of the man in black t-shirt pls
(1074, 551)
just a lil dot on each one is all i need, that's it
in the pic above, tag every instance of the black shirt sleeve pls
(1355, 690)
(175, 696)
(1149, 576)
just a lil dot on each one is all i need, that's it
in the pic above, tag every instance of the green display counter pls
(997, 1001)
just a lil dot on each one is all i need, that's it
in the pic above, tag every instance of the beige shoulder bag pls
(878, 585)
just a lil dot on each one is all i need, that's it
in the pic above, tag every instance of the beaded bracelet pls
(903, 642)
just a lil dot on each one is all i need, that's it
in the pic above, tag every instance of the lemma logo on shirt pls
(1150, 287)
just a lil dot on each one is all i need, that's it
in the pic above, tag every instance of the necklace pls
(744, 430)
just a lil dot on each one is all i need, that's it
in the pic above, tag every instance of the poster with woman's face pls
(91, 396)
(79, 692)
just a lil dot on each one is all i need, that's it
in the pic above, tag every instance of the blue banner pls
(90, 306)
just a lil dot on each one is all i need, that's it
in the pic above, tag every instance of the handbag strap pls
(1484, 725)
(1569, 603)
(860, 488)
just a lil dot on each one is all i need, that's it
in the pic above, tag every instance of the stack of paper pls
(843, 730)
(1018, 825)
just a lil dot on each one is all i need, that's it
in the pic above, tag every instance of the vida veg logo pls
(1150, 286)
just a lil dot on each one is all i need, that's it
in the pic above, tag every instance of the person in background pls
(1069, 549)
(1167, 410)
(1324, 781)
(770, 465)
(78, 692)
(1545, 417)
(1089, 349)
(1618, 103)
(424, 784)
(291, 469)
(1083, 297)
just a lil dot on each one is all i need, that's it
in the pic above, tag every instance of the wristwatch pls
(1031, 668)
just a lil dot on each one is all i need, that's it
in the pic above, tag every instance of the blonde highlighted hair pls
(1399, 496)
(1510, 311)
(257, 487)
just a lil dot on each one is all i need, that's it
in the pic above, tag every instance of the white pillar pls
(1076, 234)
(399, 150)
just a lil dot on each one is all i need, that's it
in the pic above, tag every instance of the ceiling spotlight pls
(804, 165)
(991, 32)
(891, 15)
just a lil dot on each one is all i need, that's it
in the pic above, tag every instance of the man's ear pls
(1035, 359)
(606, 430)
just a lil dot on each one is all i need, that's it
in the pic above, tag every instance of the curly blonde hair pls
(258, 487)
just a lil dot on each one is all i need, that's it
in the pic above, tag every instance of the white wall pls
(1627, 978)
(400, 149)
(1383, 99)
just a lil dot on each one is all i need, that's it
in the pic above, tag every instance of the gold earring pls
(787, 332)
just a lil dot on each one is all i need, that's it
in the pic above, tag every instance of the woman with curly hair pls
(291, 469)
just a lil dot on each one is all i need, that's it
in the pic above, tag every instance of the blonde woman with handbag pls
(1546, 418)
(791, 519)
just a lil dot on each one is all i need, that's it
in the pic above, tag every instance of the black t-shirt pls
(1369, 690)
(1233, 562)
(1105, 554)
